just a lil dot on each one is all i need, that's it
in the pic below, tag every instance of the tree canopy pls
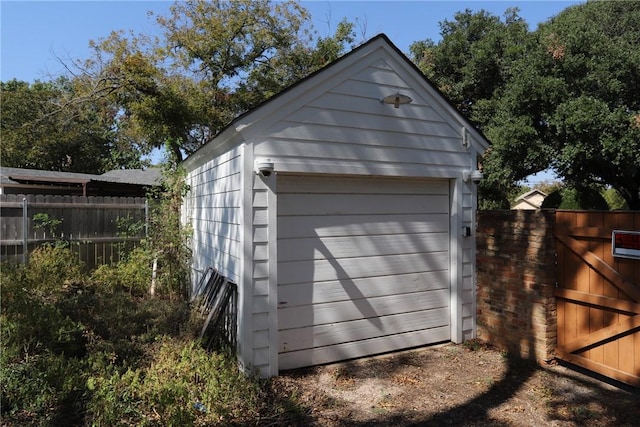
(36, 132)
(561, 97)
(564, 96)
(214, 61)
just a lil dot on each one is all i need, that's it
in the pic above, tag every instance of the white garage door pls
(363, 267)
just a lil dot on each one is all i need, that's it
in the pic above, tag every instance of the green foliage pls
(167, 239)
(473, 60)
(214, 61)
(165, 245)
(562, 97)
(87, 353)
(50, 267)
(575, 199)
(58, 328)
(43, 220)
(183, 385)
(130, 227)
(41, 130)
(41, 344)
(591, 50)
(289, 66)
(614, 200)
(133, 273)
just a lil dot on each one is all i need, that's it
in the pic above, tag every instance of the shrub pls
(50, 267)
(575, 198)
(40, 362)
(133, 273)
(184, 385)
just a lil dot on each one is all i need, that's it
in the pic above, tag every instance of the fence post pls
(146, 217)
(25, 236)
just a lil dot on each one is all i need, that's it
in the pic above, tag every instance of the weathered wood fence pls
(97, 228)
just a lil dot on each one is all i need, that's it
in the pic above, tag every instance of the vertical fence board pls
(89, 224)
(604, 336)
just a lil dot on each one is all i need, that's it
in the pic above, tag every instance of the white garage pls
(363, 267)
(343, 210)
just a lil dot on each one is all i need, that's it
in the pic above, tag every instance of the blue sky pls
(34, 33)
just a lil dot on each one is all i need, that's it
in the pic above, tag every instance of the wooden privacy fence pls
(598, 294)
(97, 228)
(550, 287)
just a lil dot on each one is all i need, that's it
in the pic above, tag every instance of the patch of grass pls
(582, 413)
(476, 345)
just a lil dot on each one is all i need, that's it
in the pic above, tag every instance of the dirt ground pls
(454, 385)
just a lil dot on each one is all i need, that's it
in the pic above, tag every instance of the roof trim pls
(232, 126)
(530, 192)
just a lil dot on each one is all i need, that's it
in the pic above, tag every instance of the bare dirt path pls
(457, 385)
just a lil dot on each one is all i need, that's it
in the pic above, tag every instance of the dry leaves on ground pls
(459, 385)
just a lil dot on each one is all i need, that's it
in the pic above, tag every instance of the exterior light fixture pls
(473, 176)
(263, 167)
(396, 99)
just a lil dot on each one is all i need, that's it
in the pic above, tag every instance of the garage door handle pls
(282, 302)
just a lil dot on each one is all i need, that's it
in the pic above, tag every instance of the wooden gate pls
(598, 295)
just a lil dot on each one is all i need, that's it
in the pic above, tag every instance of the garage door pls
(363, 267)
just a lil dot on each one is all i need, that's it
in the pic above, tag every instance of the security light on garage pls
(396, 99)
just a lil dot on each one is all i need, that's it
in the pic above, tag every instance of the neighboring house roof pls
(530, 200)
(234, 132)
(17, 174)
(149, 177)
(22, 178)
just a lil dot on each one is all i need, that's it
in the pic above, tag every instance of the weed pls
(183, 385)
(42, 221)
(49, 268)
(475, 345)
(582, 413)
(94, 348)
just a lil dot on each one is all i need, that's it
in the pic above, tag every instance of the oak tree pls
(37, 132)
(564, 96)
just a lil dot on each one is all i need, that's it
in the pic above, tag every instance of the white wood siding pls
(262, 257)
(327, 286)
(363, 266)
(213, 207)
(346, 129)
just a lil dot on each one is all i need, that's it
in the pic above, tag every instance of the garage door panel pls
(336, 333)
(360, 246)
(350, 268)
(358, 204)
(351, 350)
(333, 291)
(342, 184)
(363, 266)
(360, 308)
(360, 225)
